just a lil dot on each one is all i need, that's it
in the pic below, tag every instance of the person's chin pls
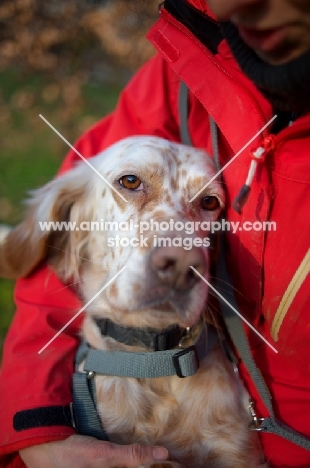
(275, 46)
(279, 56)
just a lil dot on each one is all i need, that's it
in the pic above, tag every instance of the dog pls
(202, 419)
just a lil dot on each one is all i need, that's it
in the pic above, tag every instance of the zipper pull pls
(257, 156)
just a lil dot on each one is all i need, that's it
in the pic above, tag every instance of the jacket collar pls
(212, 78)
(202, 6)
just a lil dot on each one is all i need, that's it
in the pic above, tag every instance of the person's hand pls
(86, 452)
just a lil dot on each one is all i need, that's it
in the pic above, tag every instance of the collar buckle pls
(182, 356)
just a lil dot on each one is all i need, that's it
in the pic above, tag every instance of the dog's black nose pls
(172, 266)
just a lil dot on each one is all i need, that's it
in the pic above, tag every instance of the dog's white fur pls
(203, 419)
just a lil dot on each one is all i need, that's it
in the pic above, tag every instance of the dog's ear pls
(22, 249)
(33, 241)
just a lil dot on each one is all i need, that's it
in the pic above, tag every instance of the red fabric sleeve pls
(148, 105)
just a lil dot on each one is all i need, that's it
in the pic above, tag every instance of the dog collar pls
(180, 362)
(82, 414)
(183, 362)
(151, 338)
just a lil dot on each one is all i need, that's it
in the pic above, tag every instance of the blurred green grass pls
(30, 152)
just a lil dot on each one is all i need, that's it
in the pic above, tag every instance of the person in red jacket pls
(241, 71)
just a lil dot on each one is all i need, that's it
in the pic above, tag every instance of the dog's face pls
(157, 178)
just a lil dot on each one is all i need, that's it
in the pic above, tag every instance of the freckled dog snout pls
(172, 266)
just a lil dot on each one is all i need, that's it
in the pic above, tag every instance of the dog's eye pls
(210, 203)
(131, 182)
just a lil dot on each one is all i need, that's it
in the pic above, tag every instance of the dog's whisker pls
(213, 311)
(75, 282)
(214, 308)
(228, 284)
(213, 294)
(67, 251)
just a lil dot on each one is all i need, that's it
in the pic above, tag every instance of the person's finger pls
(135, 455)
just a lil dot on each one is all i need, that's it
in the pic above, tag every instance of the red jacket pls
(269, 268)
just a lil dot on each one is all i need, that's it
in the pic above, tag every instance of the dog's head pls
(157, 233)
